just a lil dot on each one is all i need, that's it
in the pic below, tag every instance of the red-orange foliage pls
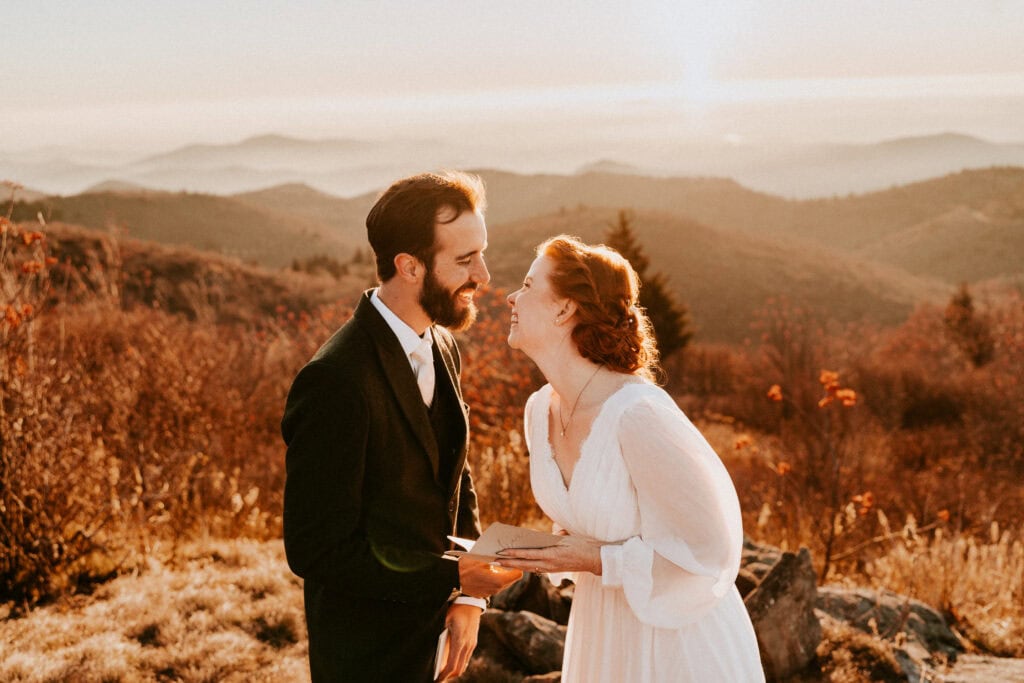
(925, 431)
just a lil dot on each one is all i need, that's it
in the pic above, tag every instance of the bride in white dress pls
(653, 525)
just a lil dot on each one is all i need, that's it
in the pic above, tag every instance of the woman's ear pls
(566, 313)
(409, 268)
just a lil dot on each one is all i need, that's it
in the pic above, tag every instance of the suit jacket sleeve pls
(326, 428)
(468, 523)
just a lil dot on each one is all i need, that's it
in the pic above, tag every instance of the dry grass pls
(980, 582)
(224, 611)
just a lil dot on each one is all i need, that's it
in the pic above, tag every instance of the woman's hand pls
(571, 555)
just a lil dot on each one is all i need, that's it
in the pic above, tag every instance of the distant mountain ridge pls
(261, 152)
(348, 167)
(726, 248)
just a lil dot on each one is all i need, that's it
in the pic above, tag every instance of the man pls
(377, 437)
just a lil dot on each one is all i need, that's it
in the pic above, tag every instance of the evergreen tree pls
(669, 317)
(969, 331)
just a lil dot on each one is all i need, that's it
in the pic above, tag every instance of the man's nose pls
(482, 275)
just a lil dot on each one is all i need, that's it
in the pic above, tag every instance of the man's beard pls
(441, 304)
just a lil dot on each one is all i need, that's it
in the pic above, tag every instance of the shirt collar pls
(407, 336)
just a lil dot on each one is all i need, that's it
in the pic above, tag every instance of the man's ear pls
(409, 268)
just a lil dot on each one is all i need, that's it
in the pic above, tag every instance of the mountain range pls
(348, 167)
(725, 248)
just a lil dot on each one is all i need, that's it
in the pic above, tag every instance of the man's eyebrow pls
(470, 253)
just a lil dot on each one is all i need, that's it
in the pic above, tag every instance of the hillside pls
(922, 228)
(347, 217)
(183, 280)
(964, 227)
(726, 277)
(210, 223)
(932, 212)
(964, 244)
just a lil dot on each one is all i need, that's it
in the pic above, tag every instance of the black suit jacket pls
(365, 513)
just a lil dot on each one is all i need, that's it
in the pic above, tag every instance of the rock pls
(535, 593)
(782, 610)
(535, 642)
(746, 581)
(491, 656)
(925, 634)
(986, 669)
(766, 555)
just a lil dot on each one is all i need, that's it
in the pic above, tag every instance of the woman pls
(653, 526)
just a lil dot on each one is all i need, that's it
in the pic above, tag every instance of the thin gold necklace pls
(572, 413)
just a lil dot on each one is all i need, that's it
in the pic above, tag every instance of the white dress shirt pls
(410, 341)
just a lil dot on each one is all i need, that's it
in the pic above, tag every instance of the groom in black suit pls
(377, 436)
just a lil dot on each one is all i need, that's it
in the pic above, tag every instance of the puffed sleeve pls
(688, 552)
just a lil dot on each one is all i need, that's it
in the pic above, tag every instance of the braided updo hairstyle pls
(610, 328)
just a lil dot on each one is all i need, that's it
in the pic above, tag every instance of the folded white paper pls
(500, 537)
(442, 653)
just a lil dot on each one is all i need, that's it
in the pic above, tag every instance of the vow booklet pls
(442, 653)
(500, 537)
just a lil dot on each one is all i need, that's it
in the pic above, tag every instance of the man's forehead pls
(468, 232)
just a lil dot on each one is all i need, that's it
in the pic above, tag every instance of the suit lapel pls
(400, 376)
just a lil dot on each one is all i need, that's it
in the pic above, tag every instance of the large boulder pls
(536, 643)
(920, 636)
(781, 608)
(535, 593)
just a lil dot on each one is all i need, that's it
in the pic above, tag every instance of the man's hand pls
(482, 579)
(463, 624)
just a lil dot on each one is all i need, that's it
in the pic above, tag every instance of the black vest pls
(445, 417)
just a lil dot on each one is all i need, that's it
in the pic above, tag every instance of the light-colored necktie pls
(424, 358)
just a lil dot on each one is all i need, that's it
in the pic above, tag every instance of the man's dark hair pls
(402, 221)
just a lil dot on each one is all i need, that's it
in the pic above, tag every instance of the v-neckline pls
(567, 485)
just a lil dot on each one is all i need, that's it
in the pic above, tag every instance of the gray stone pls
(535, 642)
(782, 610)
(926, 634)
(746, 581)
(535, 593)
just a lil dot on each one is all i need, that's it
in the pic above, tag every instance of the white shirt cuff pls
(470, 600)
(611, 565)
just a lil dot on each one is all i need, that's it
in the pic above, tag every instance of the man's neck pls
(405, 304)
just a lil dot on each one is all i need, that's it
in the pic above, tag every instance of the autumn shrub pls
(47, 524)
(924, 436)
(125, 426)
(496, 382)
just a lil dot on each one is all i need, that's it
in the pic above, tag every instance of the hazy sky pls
(152, 75)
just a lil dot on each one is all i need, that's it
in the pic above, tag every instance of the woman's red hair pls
(610, 328)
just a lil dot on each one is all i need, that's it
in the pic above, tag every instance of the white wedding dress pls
(647, 482)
